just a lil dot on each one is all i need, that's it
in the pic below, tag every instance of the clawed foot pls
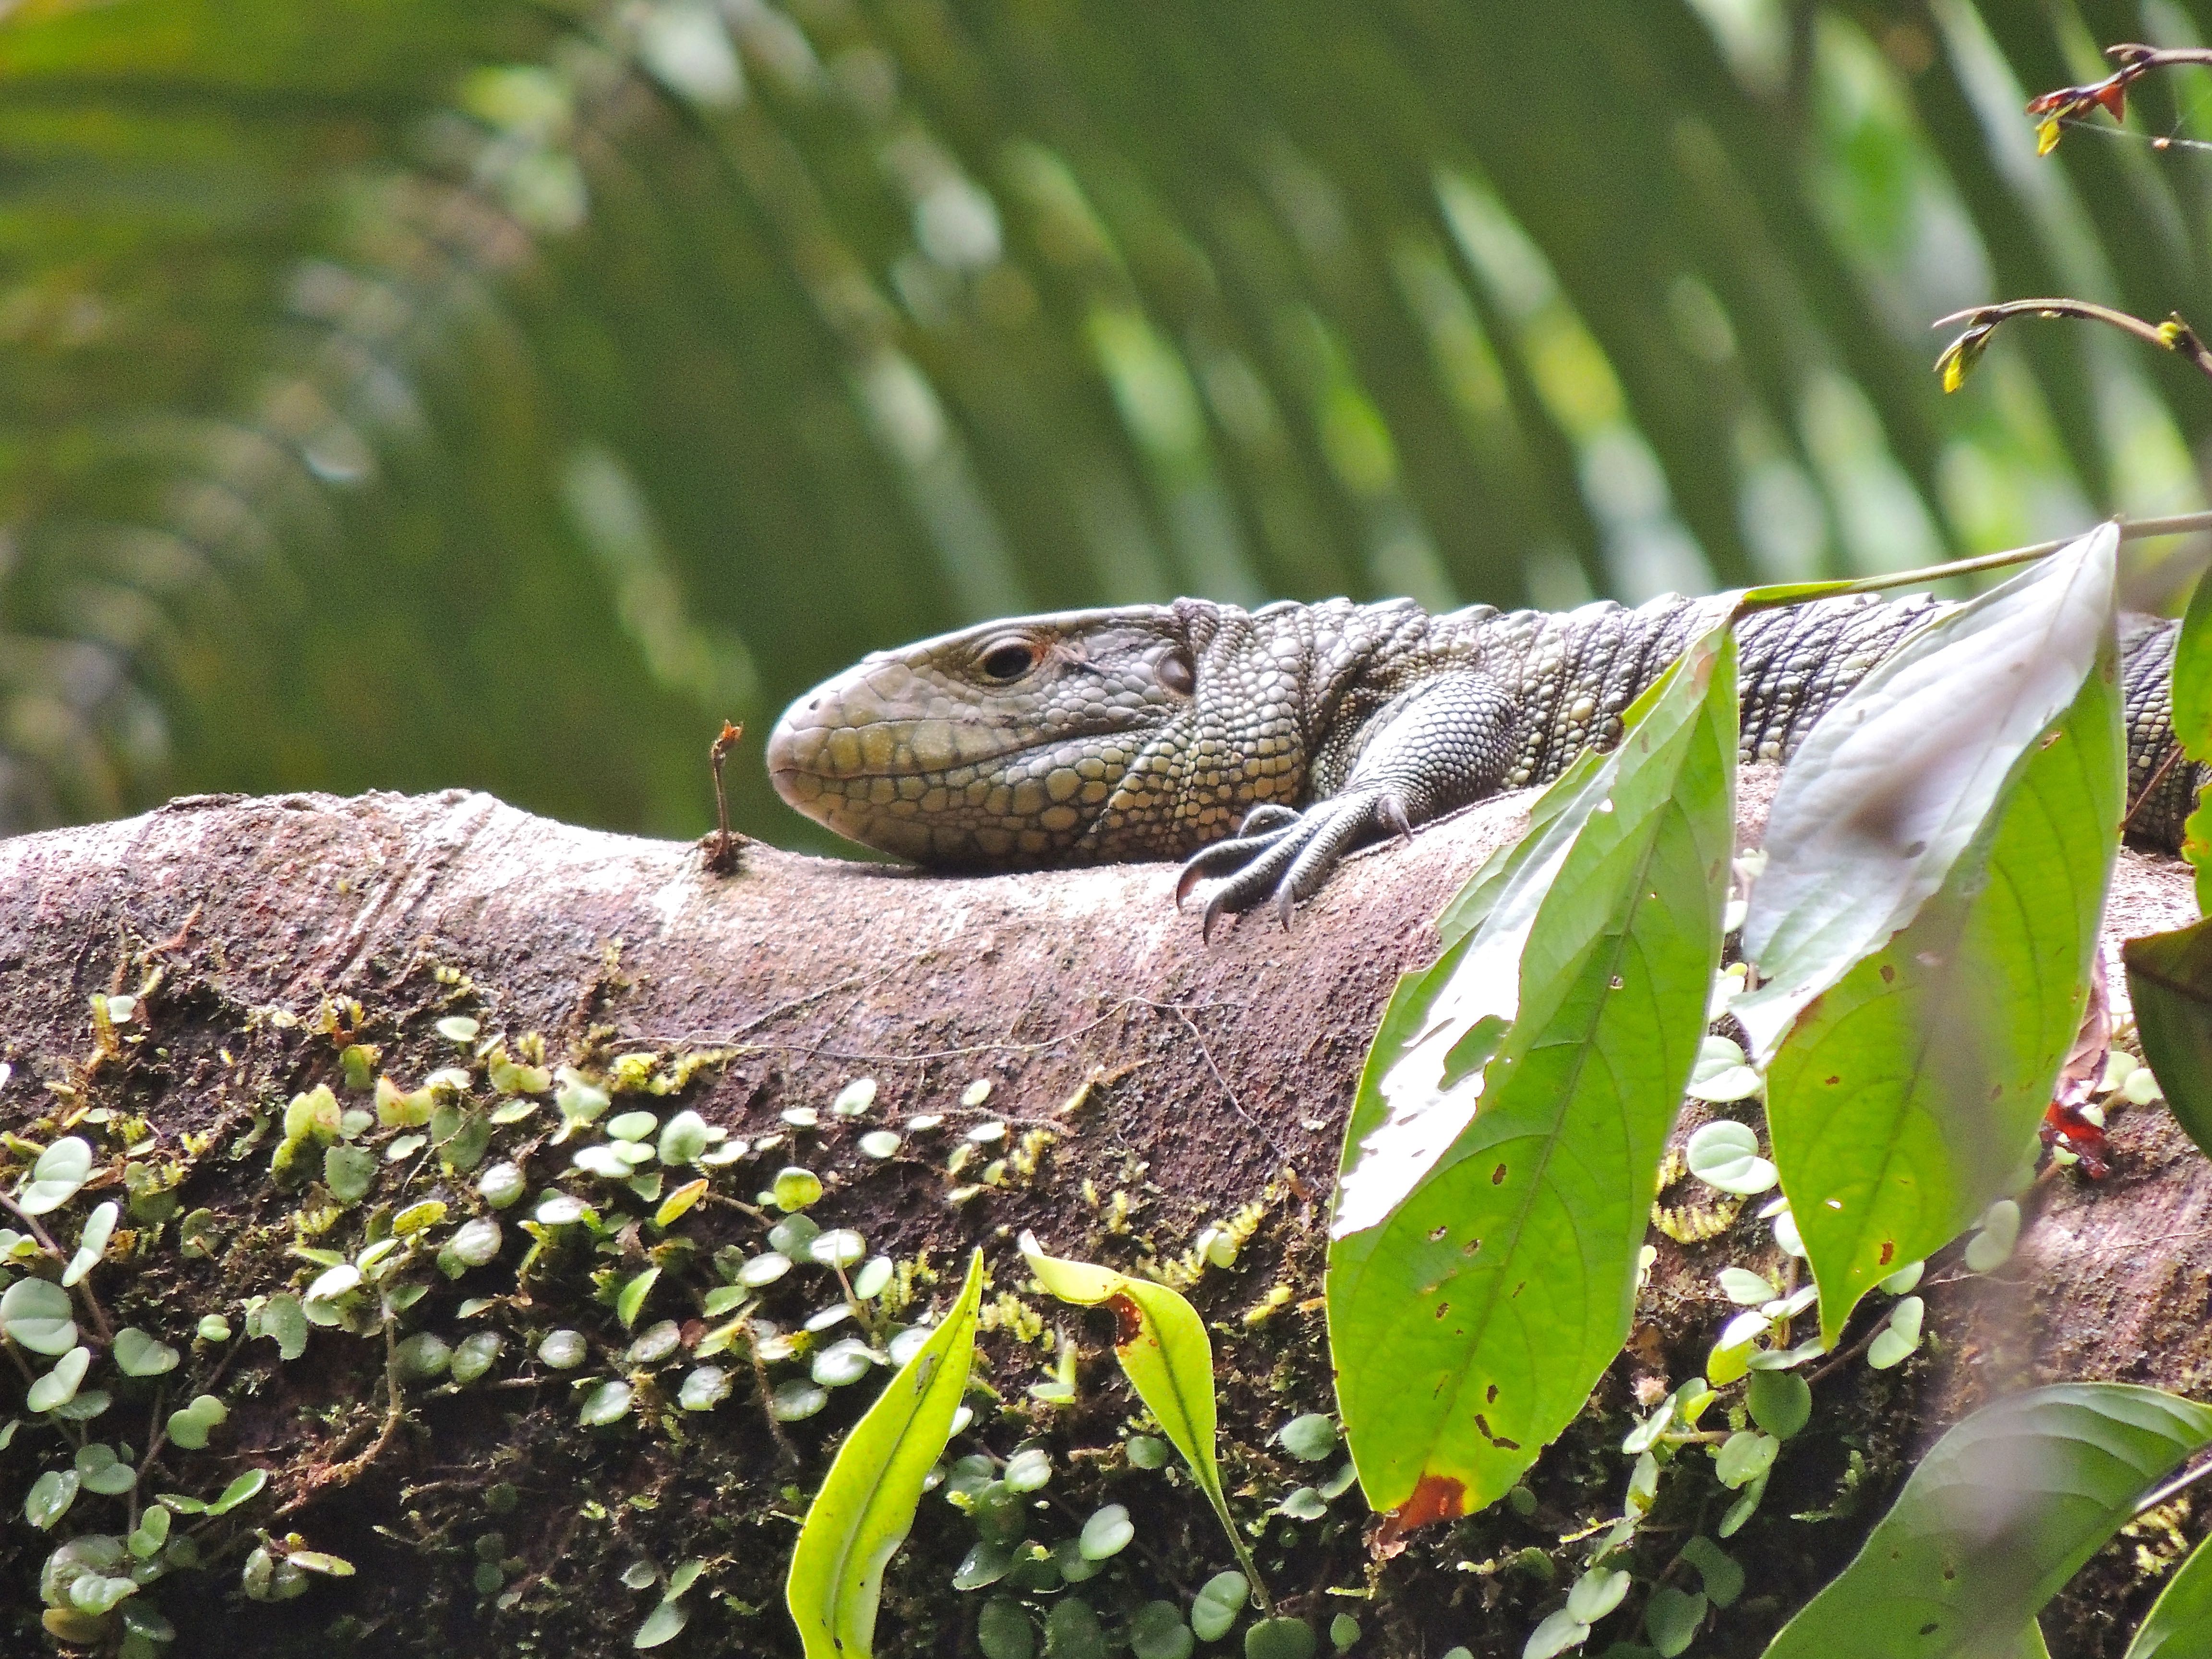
(1288, 854)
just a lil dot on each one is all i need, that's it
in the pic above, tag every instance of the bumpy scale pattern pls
(1150, 732)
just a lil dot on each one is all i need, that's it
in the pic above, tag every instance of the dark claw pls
(1213, 908)
(1222, 856)
(1284, 855)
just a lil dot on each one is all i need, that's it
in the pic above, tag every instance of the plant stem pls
(1244, 1557)
(2179, 1483)
(2131, 530)
(2172, 335)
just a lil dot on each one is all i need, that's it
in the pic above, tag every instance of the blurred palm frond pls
(411, 392)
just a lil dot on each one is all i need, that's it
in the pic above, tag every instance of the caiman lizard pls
(1262, 745)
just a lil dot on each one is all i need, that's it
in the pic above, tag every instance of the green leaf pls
(1165, 1352)
(348, 1171)
(1907, 1097)
(1482, 1264)
(1106, 1533)
(35, 1314)
(137, 1354)
(1003, 1630)
(1308, 1438)
(2179, 1623)
(50, 1497)
(284, 1322)
(866, 1504)
(1744, 1456)
(1280, 1638)
(1554, 1635)
(986, 1563)
(1213, 1610)
(2192, 676)
(1157, 1630)
(664, 1624)
(91, 1243)
(1781, 1402)
(631, 1301)
(1897, 782)
(102, 1472)
(1672, 1619)
(244, 1490)
(1724, 1153)
(1721, 1573)
(1995, 1520)
(2170, 983)
(62, 1169)
(607, 1403)
(59, 1386)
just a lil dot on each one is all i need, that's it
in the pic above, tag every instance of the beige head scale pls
(1051, 739)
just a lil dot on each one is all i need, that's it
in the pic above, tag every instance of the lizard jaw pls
(928, 754)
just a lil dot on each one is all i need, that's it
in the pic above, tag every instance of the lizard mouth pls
(952, 794)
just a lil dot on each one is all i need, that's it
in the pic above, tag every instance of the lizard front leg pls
(1449, 741)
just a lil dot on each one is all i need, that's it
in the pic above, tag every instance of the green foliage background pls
(405, 393)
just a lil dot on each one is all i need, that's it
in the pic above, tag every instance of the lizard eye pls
(1178, 674)
(1009, 661)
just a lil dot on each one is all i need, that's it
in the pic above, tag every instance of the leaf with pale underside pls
(867, 1505)
(1994, 1520)
(1905, 1098)
(1896, 782)
(1501, 1153)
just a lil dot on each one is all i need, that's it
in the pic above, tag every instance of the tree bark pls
(1169, 1084)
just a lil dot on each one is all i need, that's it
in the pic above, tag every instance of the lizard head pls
(1052, 739)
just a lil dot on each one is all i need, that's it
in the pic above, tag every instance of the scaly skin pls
(1276, 740)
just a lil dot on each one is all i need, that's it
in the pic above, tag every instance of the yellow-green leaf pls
(1163, 1346)
(866, 1504)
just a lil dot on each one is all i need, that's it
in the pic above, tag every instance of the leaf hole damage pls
(1482, 1427)
(1129, 1322)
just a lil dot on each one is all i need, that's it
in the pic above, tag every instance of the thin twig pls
(342, 1475)
(1207, 1054)
(1981, 321)
(2131, 530)
(2069, 104)
(2179, 1483)
(2149, 788)
(722, 846)
(1849, 1354)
